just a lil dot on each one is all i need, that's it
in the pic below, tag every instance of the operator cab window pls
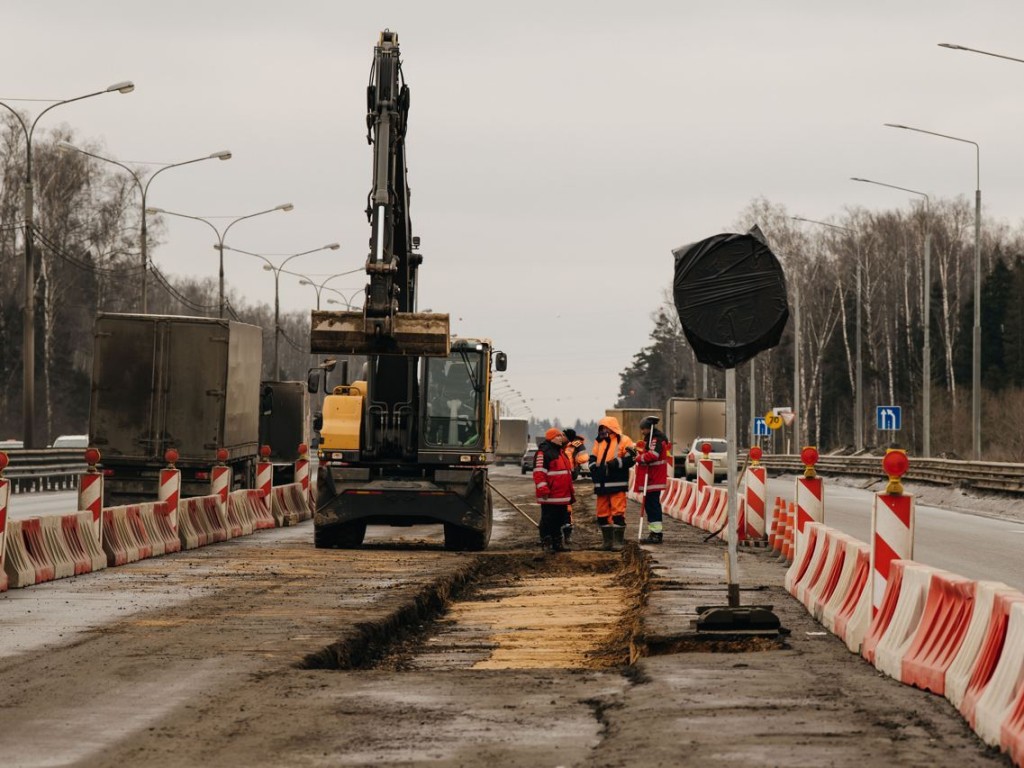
(452, 416)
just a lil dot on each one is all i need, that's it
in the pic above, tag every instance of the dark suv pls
(526, 463)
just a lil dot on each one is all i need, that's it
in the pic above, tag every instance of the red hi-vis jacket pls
(652, 464)
(552, 474)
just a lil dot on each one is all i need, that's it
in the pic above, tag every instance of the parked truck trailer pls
(629, 419)
(513, 440)
(284, 425)
(686, 419)
(164, 381)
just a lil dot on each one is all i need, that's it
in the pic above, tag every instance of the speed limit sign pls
(773, 420)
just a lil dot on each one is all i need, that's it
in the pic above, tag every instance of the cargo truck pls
(163, 381)
(513, 440)
(688, 418)
(284, 424)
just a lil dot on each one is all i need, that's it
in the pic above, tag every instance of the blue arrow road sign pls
(760, 427)
(888, 417)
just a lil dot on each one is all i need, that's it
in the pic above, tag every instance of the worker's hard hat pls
(649, 421)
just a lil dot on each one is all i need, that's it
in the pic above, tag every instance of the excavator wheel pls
(467, 540)
(344, 536)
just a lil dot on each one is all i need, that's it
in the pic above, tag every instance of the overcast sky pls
(557, 151)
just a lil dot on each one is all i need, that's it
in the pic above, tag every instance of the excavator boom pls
(389, 323)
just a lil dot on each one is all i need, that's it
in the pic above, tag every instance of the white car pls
(71, 441)
(717, 454)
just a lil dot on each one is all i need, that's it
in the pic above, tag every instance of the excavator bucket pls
(422, 334)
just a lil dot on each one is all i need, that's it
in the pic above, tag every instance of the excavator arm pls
(389, 323)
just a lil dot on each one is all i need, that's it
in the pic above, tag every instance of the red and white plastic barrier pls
(169, 490)
(5, 495)
(810, 501)
(90, 493)
(940, 633)
(754, 493)
(892, 528)
(958, 676)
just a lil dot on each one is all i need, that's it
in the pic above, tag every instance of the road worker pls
(654, 455)
(576, 452)
(552, 476)
(610, 460)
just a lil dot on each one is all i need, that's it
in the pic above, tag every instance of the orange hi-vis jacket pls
(652, 463)
(610, 460)
(552, 475)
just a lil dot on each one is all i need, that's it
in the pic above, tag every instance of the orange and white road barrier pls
(892, 527)
(265, 476)
(754, 493)
(302, 478)
(903, 626)
(853, 616)
(5, 495)
(220, 486)
(789, 540)
(958, 676)
(810, 501)
(705, 468)
(940, 633)
(169, 491)
(989, 655)
(996, 702)
(90, 492)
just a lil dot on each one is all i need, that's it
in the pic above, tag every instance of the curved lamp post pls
(277, 269)
(322, 285)
(28, 352)
(221, 235)
(346, 300)
(144, 190)
(976, 340)
(926, 362)
(858, 395)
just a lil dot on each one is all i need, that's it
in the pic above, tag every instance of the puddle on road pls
(575, 610)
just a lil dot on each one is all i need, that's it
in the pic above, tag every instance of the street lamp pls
(346, 301)
(144, 190)
(320, 287)
(926, 367)
(858, 386)
(221, 235)
(28, 352)
(976, 341)
(955, 47)
(269, 266)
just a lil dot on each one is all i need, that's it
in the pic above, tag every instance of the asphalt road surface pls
(266, 651)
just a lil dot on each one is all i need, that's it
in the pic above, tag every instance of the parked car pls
(526, 462)
(11, 445)
(71, 441)
(716, 454)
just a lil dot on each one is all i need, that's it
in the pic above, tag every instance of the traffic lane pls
(21, 506)
(106, 658)
(971, 545)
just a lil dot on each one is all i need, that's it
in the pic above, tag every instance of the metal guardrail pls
(54, 469)
(44, 469)
(980, 475)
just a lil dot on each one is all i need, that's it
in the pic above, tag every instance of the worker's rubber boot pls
(607, 537)
(567, 534)
(654, 537)
(618, 537)
(545, 543)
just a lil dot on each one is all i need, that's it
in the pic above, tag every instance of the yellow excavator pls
(410, 441)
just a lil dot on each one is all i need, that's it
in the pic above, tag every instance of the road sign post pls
(888, 418)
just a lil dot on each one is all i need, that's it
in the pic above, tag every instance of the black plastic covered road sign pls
(730, 293)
